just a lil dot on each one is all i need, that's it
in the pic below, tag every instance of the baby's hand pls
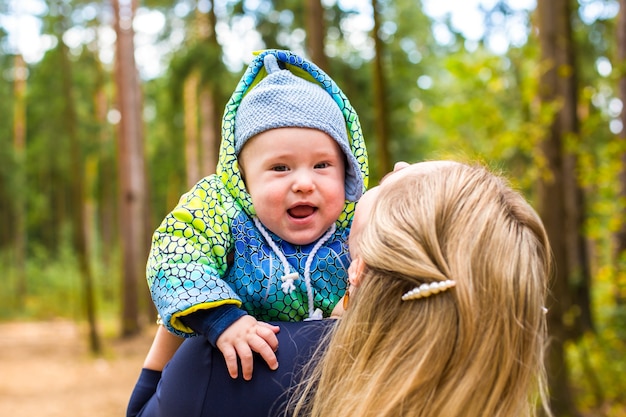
(244, 336)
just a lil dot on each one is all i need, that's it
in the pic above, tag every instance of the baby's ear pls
(355, 271)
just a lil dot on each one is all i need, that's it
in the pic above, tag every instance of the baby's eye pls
(280, 168)
(322, 165)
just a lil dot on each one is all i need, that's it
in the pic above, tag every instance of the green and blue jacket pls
(211, 251)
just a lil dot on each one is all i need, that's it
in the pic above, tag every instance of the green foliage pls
(410, 53)
(54, 286)
(460, 100)
(597, 360)
(483, 112)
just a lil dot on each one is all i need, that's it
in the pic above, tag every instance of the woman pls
(471, 345)
(445, 314)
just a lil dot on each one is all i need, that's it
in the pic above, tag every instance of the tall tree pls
(105, 196)
(131, 165)
(560, 195)
(19, 146)
(316, 33)
(383, 160)
(79, 226)
(620, 236)
(190, 107)
(202, 128)
(210, 112)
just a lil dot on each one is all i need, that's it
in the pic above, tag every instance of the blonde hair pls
(474, 350)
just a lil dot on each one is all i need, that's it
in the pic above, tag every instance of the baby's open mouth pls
(300, 212)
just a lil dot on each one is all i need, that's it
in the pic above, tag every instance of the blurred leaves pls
(454, 99)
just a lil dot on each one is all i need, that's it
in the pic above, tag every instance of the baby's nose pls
(303, 182)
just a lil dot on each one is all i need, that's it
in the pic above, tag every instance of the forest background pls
(116, 113)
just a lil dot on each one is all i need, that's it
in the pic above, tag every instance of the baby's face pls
(296, 179)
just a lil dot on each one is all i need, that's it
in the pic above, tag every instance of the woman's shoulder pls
(197, 382)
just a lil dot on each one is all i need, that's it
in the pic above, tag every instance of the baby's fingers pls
(267, 332)
(263, 348)
(230, 356)
(272, 327)
(245, 357)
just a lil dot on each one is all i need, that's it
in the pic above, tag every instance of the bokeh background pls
(110, 110)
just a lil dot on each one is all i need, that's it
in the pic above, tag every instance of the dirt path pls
(46, 371)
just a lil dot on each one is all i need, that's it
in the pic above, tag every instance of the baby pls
(265, 238)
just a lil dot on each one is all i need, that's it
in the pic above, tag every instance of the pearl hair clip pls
(426, 290)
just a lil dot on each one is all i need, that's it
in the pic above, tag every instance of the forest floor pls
(46, 370)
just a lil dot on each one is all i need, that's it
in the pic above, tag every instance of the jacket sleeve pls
(187, 260)
(144, 390)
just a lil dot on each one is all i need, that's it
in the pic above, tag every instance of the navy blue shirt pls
(196, 383)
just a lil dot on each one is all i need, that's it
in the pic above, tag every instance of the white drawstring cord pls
(317, 314)
(288, 278)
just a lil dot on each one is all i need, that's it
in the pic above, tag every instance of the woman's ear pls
(355, 271)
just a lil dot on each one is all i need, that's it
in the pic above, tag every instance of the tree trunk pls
(203, 115)
(559, 195)
(578, 268)
(209, 131)
(315, 33)
(106, 172)
(79, 230)
(19, 147)
(131, 166)
(620, 236)
(210, 113)
(190, 108)
(383, 159)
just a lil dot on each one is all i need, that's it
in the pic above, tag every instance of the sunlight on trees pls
(430, 79)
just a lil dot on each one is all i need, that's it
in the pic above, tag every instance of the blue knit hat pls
(283, 99)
